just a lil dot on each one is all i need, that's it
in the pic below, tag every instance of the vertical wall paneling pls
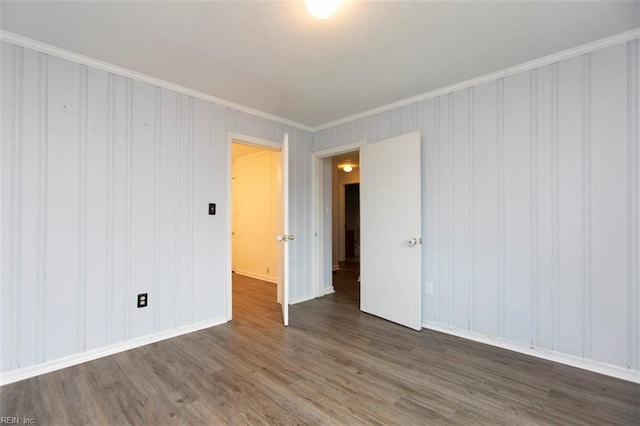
(128, 295)
(211, 180)
(17, 198)
(178, 214)
(460, 208)
(95, 273)
(517, 208)
(534, 294)
(62, 310)
(486, 289)
(82, 207)
(189, 213)
(451, 179)
(555, 199)
(437, 198)
(157, 135)
(633, 191)
(543, 189)
(470, 239)
(201, 155)
(426, 125)
(29, 209)
(607, 238)
(164, 297)
(570, 257)
(120, 198)
(111, 205)
(41, 234)
(142, 214)
(219, 168)
(586, 206)
(500, 148)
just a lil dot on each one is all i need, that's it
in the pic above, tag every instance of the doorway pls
(336, 252)
(257, 180)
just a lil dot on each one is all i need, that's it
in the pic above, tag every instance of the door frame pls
(318, 224)
(246, 140)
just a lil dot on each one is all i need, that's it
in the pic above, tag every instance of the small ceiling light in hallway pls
(322, 9)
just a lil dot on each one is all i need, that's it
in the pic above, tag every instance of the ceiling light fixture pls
(347, 168)
(322, 9)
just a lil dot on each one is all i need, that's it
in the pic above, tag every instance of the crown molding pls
(134, 75)
(527, 66)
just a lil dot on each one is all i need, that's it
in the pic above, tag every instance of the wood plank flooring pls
(333, 365)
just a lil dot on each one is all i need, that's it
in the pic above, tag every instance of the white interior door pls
(284, 237)
(391, 237)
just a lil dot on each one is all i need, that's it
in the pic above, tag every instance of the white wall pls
(530, 204)
(255, 215)
(105, 186)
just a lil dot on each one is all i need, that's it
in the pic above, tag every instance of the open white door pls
(283, 237)
(391, 237)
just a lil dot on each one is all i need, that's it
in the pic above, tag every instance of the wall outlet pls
(142, 300)
(428, 288)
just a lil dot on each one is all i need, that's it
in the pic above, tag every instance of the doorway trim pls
(246, 140)
(318, 225)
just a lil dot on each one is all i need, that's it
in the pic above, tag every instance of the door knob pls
(415, 241)
(285, 237)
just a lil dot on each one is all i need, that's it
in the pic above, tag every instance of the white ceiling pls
(272, 56)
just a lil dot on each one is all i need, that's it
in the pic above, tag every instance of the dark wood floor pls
(333, 365)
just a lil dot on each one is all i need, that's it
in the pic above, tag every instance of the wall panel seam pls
(177, 257)
(16, 199)
(533, 152)
(436, 111)
(83, 102)
(212, 240)
(471, 119)
(156, 201)
(451, 195)
(633, 216)
(128, 212)
(586, 206)
(110, 204)
(501, 204)
(555, 190)
(191, 212)
(41, 232)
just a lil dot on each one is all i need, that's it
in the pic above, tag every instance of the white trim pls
(538, 352)
(337, 150)
(247, 140)
(536, 63)
(301, 299)
(68, 361)
(105, 66)
(328, 290)
(260, 277)
(335, 267)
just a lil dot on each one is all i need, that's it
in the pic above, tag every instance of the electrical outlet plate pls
(143, 300)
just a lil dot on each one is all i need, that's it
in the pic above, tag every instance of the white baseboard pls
(261, 277)
(300, 299)
(68, 361)
(335, 267)
(548, 354)
(328, 290)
